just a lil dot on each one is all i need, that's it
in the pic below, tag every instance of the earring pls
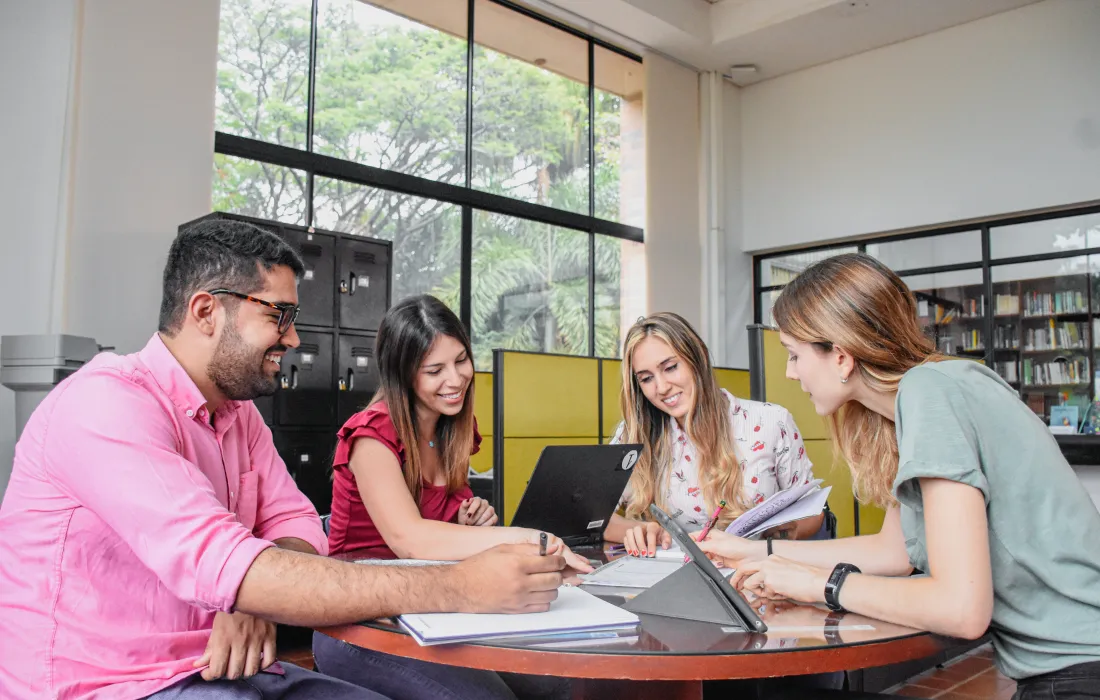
(843, 380)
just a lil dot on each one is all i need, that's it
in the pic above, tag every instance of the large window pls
(1020, 295)
(509, 171)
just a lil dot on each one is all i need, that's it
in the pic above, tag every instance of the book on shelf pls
(1046, 303)
(1063, 420)
(1073, 370)
(1006, 304)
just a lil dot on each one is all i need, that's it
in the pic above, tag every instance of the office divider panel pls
(611, 387)
(769, 359)
(482, 462)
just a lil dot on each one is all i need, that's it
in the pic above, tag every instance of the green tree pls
(392, 93)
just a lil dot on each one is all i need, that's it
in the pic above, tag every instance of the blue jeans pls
(296, 684)
(411, 679)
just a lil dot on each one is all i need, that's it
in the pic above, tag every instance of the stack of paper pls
(783, 507)
(574, 610)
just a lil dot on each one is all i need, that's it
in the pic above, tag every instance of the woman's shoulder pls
(372, 421)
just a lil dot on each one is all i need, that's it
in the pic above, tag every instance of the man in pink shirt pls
(150, 536)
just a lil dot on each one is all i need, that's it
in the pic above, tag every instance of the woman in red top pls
(401, 465)
(400, 482)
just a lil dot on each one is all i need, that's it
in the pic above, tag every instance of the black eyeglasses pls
(287, 312)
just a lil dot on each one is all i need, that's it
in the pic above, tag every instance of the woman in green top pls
(978, 495)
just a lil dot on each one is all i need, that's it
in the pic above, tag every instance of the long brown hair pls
(707, 424)
(404, 338)
(856, 303)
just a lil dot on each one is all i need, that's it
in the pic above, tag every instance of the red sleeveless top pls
(350, 526)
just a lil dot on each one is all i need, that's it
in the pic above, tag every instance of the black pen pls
(542, 544)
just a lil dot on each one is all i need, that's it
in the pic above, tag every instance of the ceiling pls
(777, 36)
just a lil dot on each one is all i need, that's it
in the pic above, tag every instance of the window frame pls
(469, 199)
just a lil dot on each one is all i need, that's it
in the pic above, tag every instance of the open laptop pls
(575, 489)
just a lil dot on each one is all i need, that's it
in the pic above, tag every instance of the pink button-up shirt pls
(128, 522)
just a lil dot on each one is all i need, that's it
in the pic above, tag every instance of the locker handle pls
(351, 379)
(353, 284)
(294, 377)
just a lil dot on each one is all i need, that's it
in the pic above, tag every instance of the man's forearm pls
(311, 591)
(295, 544)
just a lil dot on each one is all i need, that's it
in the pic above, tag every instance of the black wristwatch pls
(836, 580)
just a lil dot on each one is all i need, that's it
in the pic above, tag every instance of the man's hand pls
(509, 578)
(240, 646)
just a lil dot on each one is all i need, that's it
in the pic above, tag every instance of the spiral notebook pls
(574, 611)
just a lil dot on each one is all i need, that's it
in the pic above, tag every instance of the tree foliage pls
(392, 93)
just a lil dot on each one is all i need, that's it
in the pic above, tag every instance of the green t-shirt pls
(958, 420)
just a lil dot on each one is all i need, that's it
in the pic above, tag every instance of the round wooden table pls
(670, 658)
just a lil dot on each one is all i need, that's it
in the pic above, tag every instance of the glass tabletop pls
(791, 627)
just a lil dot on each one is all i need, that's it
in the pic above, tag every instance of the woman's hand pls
(476, 512)
(728, 550)
(777, 578)
(642, 539)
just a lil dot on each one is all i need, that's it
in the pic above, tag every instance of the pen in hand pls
(542, 544)
(710, 523)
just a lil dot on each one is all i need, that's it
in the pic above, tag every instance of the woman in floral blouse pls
(702, 444)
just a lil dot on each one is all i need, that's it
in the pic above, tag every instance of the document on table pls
(639, 572)
(575, 610)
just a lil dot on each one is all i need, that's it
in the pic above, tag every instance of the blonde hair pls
(707, 424)
(856, 303)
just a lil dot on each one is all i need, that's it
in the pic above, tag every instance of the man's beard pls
(238, 369)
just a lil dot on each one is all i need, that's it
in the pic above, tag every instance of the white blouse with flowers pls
(769, 449)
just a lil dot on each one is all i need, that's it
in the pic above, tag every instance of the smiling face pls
(250, 349)
(444, 377)
(819, 372)
(665, 378)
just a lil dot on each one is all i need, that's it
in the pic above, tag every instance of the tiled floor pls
(971, 677)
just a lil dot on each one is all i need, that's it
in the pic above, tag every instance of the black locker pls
(356, 375)
(317, 288)
(364, 283)
(266, 406)
(304, 396)
(308, 458)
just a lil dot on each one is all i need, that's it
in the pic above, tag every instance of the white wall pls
(38, 38)
(995, 116)
(103, 193)
(143, 158)
(672, 234)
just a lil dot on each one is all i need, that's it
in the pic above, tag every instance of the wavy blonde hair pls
(856, 303)
(707, 424)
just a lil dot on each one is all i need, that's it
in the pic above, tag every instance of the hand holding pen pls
(710, 524)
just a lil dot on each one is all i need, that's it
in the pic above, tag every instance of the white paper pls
(810, 505)
(749, 520)
(575, 610)
(632, 572)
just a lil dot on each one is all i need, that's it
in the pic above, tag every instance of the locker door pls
(317, 289)
(356, 375)
(266, 406)
(305, 395)
(364, 283)
(308, 458)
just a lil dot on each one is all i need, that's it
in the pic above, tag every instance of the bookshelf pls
(1045, 334)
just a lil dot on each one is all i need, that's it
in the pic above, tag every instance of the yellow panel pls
(551, 395)
(841, 501)
(735, 381)
(483, 460)
(612, 389)
(788, 394)
(520, 457)
(870, 519)
(483, 402)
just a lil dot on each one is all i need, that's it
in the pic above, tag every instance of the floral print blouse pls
(770, 450)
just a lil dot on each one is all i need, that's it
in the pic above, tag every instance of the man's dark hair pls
(219, 253)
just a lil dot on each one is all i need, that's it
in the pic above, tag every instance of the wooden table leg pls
(600, 689)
